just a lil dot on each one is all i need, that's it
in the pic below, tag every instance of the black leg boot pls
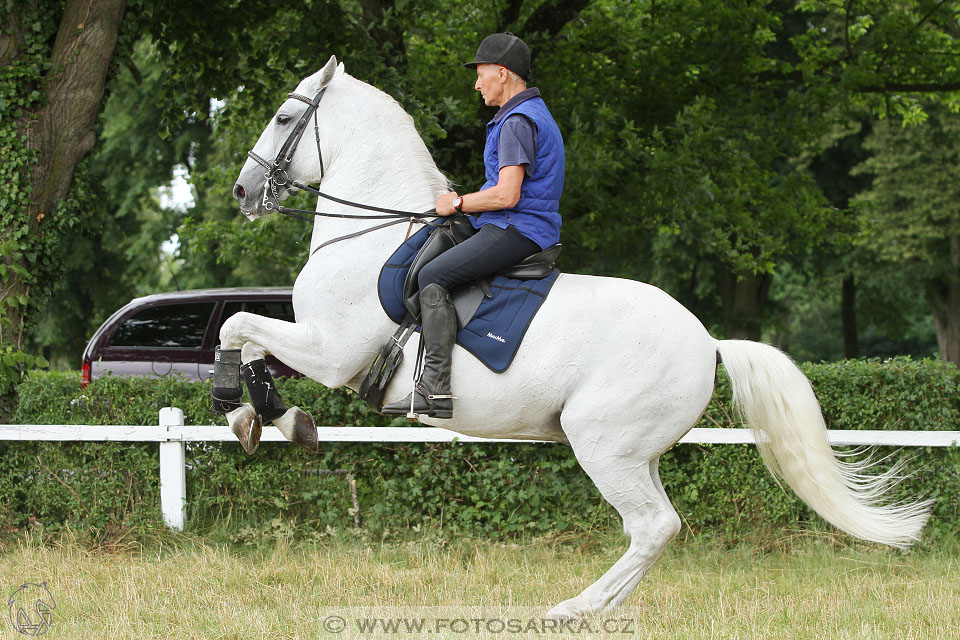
(264, 396)
(432, 397)
(226, 394)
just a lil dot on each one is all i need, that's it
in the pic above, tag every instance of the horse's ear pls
(326, 75)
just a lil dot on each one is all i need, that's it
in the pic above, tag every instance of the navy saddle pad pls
(496, 329)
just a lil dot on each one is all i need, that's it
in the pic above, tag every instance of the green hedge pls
(472, 489)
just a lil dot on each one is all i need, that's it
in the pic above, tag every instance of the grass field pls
(809, 586)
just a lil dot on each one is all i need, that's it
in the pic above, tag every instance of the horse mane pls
(401, 154)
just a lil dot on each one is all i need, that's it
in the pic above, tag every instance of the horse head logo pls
(30, 607)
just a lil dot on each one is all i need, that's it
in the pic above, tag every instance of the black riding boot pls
(432, 397)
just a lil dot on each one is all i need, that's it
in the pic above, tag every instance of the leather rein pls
(276, 177)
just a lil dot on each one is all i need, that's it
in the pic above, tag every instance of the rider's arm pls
(503, 195)
(517, 151)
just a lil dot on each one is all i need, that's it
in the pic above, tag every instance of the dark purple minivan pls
(177, 332)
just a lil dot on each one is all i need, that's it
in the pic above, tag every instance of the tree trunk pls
(848, 316)
(744, 299)
(943, 296)
(11, 37)
(62, 132)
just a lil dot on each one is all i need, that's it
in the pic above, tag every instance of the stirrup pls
(413, 415)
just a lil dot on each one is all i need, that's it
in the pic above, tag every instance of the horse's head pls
(288, 149)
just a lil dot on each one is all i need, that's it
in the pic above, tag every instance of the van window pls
(279, 309)
(167, 326)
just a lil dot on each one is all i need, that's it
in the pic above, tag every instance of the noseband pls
(276, 174)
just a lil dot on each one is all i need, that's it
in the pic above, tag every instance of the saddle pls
(492, 314)
(467, 298)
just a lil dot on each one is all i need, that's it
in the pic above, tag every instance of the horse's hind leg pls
(633, 487)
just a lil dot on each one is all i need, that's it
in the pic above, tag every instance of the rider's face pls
(490, 84)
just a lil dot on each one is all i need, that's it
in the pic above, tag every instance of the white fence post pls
(173, 475)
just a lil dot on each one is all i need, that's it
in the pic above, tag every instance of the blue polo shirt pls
(537, 214)
(518, 143)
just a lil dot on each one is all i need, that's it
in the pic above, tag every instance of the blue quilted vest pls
(537, 214)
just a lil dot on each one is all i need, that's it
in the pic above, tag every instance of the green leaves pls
(13, 366)
(684, 124)
(501, 491)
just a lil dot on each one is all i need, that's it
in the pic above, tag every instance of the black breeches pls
(489, 250)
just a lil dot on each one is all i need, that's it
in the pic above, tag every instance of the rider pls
(515, 214)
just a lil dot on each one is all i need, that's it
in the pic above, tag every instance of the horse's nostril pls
(239, 193)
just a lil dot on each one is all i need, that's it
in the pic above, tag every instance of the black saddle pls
(467, 297)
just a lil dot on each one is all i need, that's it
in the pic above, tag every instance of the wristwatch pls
(458, 203)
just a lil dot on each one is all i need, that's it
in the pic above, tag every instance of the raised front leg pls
(266, 405)
(296, 425)
(226, 397)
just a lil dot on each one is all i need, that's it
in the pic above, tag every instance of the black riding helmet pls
(506, 50)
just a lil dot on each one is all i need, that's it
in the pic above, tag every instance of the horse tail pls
(776, 400)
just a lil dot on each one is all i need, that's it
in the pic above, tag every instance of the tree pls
(911, 216)
(56, 62)
(712, 114)
(684, 121)
(116, 255)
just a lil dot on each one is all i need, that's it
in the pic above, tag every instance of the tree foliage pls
(117, 253)
(911, 215)
(689, 127)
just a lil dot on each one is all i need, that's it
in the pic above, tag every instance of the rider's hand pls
(445, 204)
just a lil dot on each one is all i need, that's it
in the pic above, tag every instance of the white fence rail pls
(171, 434)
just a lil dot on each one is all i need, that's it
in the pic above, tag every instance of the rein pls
(276, 177)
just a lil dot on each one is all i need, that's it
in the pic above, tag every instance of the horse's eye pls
(282, 120)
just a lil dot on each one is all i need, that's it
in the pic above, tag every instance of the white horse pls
(614, 368)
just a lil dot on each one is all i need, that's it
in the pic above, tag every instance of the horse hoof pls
(246, 425)
(304, 430)
(566, 610)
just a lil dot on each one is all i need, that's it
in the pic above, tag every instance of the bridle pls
(276, 174)
(276, 177)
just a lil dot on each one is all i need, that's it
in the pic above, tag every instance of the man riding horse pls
(515, 214)
(614, 368)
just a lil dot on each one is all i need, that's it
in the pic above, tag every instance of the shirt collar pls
(512, 103)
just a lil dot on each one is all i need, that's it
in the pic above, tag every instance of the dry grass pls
(182, 587)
